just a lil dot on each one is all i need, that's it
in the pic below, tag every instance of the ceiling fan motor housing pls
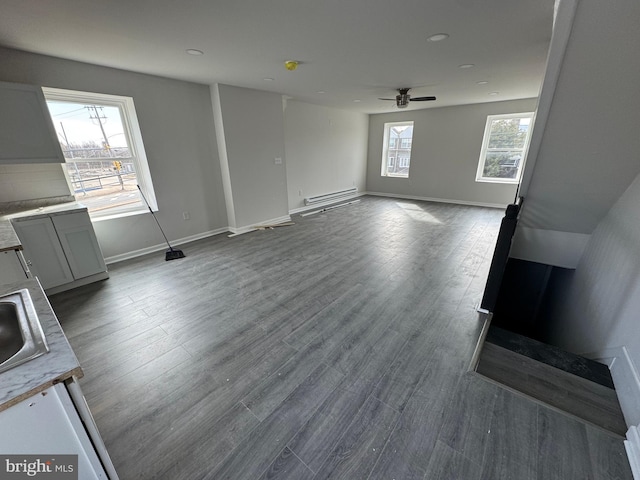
(402, 100)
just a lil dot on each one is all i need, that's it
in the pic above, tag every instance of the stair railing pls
(500, 256)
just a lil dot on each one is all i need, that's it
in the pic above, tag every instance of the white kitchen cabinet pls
(61, 249)
(43, 251)
(47, 424)
(27, 134)
(79, 244)
(12, 269)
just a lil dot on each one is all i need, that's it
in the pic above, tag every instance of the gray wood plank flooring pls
(578, 396)
(334, 348)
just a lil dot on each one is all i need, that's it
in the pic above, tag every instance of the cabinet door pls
(27, 134)
(43, 252)
(80, 245)
(10, 267)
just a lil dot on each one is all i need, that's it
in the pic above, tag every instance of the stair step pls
(550, 355)
(583, 399)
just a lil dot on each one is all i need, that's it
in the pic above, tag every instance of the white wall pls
(600, 310)
(589, 150)
(176, 121)
(253, 126)
(444, 155)
(582, 187)
(326, 150)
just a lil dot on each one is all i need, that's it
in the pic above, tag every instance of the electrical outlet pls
(186, 216)
(278, 160)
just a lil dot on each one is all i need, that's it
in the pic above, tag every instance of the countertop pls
(59, 209)
(36, 375)
(8, 238)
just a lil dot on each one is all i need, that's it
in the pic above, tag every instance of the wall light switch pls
(278, 160)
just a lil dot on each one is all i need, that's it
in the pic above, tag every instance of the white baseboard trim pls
(439, 200)
(163, 246)
(318, 205)
(627, 382)
(632, 446)
(625, 379)
(250, 228)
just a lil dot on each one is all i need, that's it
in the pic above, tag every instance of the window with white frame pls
(102, 145)
(505, 143)
(396, 146)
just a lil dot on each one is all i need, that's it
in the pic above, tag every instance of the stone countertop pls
(60, 209)
(8, 238)
(36, 375)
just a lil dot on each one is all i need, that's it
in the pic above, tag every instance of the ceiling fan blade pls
(393, 99)
(422, 99)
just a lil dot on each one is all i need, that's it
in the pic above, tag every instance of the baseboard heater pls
(331, 196)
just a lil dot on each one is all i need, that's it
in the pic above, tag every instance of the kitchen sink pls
(21, 335)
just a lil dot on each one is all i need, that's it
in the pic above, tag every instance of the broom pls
(172, 253)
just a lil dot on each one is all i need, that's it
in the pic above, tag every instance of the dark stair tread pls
(550, 355)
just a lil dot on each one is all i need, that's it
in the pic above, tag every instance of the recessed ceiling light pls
(268, 79)
(493, 93)
(483, 82)
(321, 92)
(356, 101)
(466, 65)
(438, 37)
(193, 51)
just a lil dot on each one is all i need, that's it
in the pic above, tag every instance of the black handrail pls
(500, 256)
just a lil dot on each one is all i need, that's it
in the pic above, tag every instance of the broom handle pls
(154, 217)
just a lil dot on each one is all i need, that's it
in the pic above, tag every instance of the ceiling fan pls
(403, 98)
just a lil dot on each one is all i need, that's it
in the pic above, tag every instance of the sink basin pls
(21, 336)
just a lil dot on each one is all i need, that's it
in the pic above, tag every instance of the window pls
(397, 145)
(102, 145)
(506, 139)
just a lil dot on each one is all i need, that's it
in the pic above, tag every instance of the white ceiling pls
(350, 49)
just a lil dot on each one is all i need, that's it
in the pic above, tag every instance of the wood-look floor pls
(585, 399)
(334, 348)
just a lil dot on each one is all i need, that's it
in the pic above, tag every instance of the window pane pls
(502, 164)
(399, 138)
(89, 131)
(508, 133)
(504, 145)
(99, 159)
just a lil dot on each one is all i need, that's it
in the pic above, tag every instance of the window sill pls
(395, 176)
(507, 181)
(120, 214)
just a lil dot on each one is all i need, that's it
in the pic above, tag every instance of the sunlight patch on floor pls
(417, 213)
